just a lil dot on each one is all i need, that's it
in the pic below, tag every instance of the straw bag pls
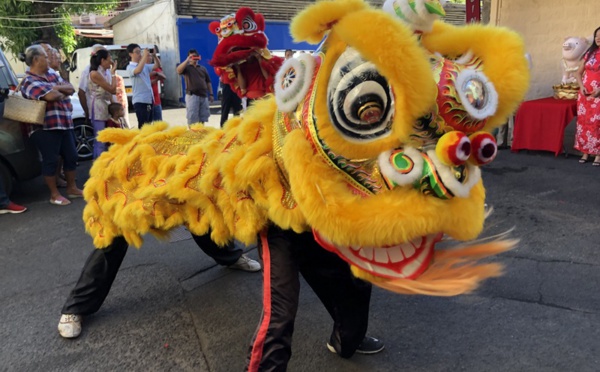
(25, 110)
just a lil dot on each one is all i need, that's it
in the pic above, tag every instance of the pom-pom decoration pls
(292, 82)
(453, 148)
(484, 148)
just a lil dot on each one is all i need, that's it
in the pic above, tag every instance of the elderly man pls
(55, 137)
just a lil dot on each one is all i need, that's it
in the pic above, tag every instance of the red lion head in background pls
(239, 35)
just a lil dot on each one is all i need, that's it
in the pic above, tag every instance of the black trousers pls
(345, 297)
(229, 100)
(143, 113)
(102, 265)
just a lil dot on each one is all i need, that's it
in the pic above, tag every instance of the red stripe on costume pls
(261, 334)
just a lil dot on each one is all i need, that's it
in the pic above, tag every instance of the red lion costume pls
(241, 57)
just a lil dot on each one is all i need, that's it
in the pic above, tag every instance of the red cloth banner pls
(473, 11)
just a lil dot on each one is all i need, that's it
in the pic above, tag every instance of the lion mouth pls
(406, 260)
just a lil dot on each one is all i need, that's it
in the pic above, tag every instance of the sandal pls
(596, 164)
(584, 159)
(77, 194)
(61, 200)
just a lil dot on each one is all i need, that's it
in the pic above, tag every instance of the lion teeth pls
(411, 268)
(367, 253)
(408, 250)
(395, 254)
(381, 255)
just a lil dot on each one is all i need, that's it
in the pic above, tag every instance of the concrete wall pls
(544, 24)
(155, 25)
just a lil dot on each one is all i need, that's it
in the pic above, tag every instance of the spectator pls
(198, 88)
(7, 206)
(289, 54)
(54, 67)
(121, 97)
(55, 137)
(100, 93)
(157, 78)
(82, 91)
(117, 116)
(587, 137)
(139, 72)
(229, 101)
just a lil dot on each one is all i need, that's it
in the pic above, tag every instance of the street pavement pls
(173, 309)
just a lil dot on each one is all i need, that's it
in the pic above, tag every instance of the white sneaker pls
(69, 325)
(245, 263)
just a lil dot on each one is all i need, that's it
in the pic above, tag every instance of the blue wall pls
(194, 33)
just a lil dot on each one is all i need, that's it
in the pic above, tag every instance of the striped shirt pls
(58, 113)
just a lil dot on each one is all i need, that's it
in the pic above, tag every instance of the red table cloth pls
(540, 124)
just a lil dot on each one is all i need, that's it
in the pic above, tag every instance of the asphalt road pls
(172, 309)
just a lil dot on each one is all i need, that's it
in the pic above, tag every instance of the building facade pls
(544, 26)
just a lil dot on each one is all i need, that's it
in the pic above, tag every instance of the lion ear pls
(260, 21)
(312, 23)
(214, 27)
(242, 13)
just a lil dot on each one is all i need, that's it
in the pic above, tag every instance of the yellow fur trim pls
(313, 22)
(413, 85)
(388, 218)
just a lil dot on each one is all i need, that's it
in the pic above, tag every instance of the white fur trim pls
(288, 98)
(387, 169)
(492, 96)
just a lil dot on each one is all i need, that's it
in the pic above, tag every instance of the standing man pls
(198, 88)
(229, 101)
(139, 72)
(157, 78)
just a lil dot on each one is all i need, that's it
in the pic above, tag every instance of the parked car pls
(84, 132)
(19, 158)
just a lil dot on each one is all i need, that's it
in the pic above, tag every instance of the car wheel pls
(6, 179)
(84, 139)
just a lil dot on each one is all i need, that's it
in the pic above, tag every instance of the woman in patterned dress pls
(587, 138)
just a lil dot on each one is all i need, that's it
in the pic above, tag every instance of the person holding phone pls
(198, 88)
(139, 71)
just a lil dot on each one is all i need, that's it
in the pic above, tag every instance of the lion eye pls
(361, 103)
(249, 25)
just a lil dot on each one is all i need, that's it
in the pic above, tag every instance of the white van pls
(81, 58)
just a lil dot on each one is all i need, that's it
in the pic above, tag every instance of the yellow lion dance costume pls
(374, 142)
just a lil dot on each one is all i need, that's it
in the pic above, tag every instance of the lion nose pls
(424, 171)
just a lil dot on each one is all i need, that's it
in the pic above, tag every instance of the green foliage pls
(22, 22)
